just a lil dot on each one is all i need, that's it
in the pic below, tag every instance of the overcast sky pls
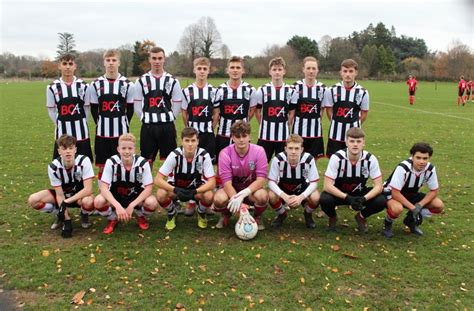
(247, 27)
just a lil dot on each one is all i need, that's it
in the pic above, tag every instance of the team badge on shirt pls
(305, 173)
(212, 94)
(358, 97)
(139, 177)
(199, 167)
(168, 87)
(246, 95)
(81, 92)
(365, 172)
(77, 175)
(123, 90)
(320, 94)
(252, 165)
(288, 96)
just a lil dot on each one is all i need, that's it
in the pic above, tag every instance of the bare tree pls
(66, 44)
(209, 36)
(225, 52)
(190, 42)
(126, 59)
(324, 45)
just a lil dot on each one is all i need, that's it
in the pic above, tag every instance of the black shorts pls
(314, 146)
(468, 93)
(157, 137)
(221, 143)
(412, 93)
(53, 193)
(334, 146)
(104, 148)
(207, 141)
(271, 147)
(460, 93)
(83, 147)
(414, 198)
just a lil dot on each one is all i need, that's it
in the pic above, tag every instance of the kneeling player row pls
(188, 175)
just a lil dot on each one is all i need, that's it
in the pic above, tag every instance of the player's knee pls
(207, 197)
(88, 203)
(161, 195)
(436, 206)
(394, 208)
(261, 197)
(326, 200)
(272, 197)
(150, 203)
(220, 199)
(100, 203)
(314, 198)
(33, 201)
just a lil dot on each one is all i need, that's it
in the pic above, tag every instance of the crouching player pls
(190, 177)
(293, 181)
(345, 182)
(243, 171)
(403, 190)
(71, 176)
(126, 186)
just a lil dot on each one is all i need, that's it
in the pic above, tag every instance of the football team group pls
(279, 171)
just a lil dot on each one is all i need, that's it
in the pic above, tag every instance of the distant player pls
(275, 111)
(243, 173)
(293, 181)
(111, 99)
(461, 89)
(345, 182)
(412, 86)
(347, 106)
(403, 190)
(68, 106)
(469, 91)
(190, 176)
(71, 176)
(232, 103)
(157, 103)
(126, 186)
(309, 93)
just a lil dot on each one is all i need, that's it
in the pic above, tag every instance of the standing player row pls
(188, 174)
(157, 98)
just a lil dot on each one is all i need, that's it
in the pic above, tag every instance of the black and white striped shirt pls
(275, 105)
(352, 177)
(184, 174)
(409, 181)
(70, 180)
(293, 179)
(199, 103)
(69, 99)
(158, 97)
(126, 183)
(233, 105)
(346, 107)
(112, 96)
(308, 109)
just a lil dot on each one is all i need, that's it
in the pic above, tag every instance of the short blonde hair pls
(277, 61)
(127, 137)
(111, 53)
(355, 132)
(294, 138)
(310, 59)
(236, 59)
(202, 61)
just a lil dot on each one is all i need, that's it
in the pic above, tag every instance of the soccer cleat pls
(85, 221)
(56, 224)
(223, 222)
(412, 226)
(190, 209)
(387, 229)
(142, 223)
(171, 222)
(111, 224)
(202, 220)
(259, 221)
(361, 223)
(332, 224)
(277, 222)
(66, 232)
(308, 219)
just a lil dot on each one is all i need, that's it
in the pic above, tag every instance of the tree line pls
(381, 54)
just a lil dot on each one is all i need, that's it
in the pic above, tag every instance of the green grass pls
(212, 269)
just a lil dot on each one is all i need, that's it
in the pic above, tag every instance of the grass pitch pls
(212, 270)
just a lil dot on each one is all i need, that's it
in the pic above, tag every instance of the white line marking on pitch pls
(424, 111)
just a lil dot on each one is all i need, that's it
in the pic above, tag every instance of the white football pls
(246, 227)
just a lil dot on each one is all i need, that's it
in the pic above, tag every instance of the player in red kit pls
(411, 82)
(461, 88)
(469, 86)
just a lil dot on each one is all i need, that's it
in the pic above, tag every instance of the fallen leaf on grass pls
(45, 253)
(302, 281)
(202, 300)
(335, 247)
(77, 299)
(349, 255)
(189, 291)
(348, 273)
(277, 269)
